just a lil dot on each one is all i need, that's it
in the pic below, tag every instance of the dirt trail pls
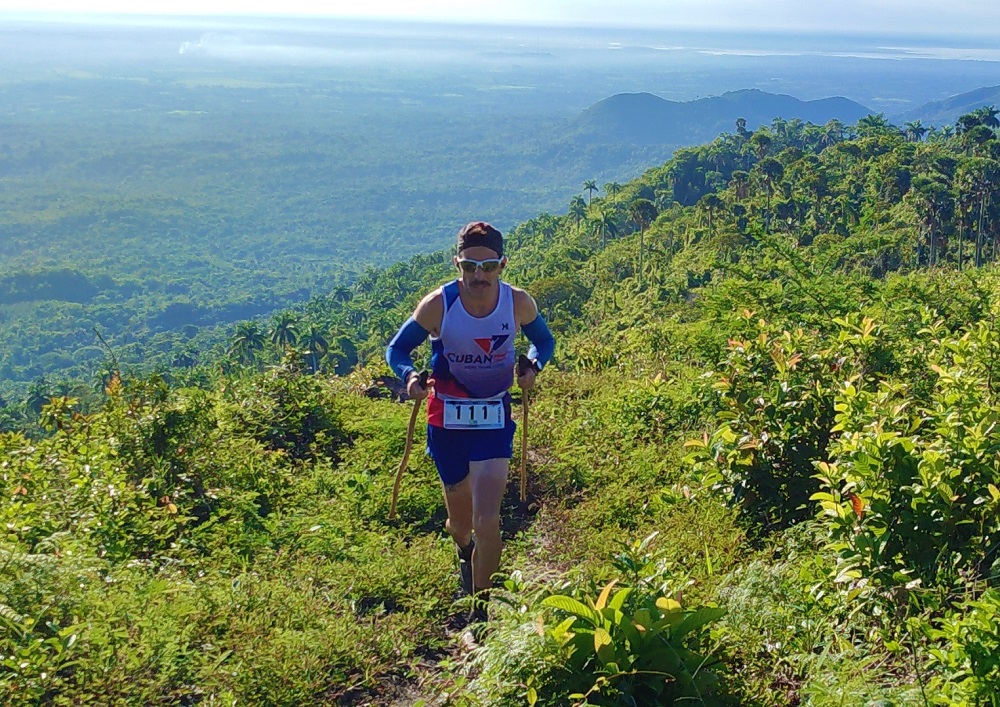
(432, 684)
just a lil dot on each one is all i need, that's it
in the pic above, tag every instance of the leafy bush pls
(774, 614)
(968, 655)
(910, 494)
(626, 643)
(39, 632)
(626, 649)
(652, 409)
(776, 403)
(286, 411)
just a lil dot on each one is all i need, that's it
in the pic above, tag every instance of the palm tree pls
(578, 209)
(643, 212)
(978, 177)
(316, 345)
(606, 226)
(710, 203)
(612, 189)
(340, 294)
(184, 358)
(248, 339)
(780, 127)
(760, 142)
(741, 127)
(38, 395)
(590, 186)
(915, 131)
(833, 132)
(284, 330)
(106, 374)
(795, 132)
(812, 182)
(848, 211)
(874, 124)
(771, 171)
(987, 116)
(976, 137)
(740, 182)
(931, 200)
(965, 123)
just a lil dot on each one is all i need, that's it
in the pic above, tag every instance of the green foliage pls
(133, 213)
(969, 654)
(776, 415)
(654, 409)
(622, 652)
(911, 490)
(216, 532)
(38, 643)
(149, 555)
(626, 642)
(286, 412)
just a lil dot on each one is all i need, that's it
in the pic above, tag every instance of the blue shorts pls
(452, 450)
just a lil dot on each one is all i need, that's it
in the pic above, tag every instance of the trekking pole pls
(523, 364)
(406, 450)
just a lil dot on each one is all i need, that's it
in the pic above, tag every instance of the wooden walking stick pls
(406, 449)
(523, 364)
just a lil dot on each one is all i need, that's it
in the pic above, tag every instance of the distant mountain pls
(645, 119)
(947, 111)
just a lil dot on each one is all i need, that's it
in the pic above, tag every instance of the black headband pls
(480, 233)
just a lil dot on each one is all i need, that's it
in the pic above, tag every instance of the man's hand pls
(527, 378)
(526, 372)
(416, 386)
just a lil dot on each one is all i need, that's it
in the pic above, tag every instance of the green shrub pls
(649, 410)
(968, 654)
(40, 602)
(910, 495)
(776, 414)
(626, 643)
(287, 411)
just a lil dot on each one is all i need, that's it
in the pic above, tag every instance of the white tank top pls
(473, 357)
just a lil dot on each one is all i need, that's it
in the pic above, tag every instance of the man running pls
(470, 431)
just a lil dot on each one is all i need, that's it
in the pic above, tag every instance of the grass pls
(320, 598)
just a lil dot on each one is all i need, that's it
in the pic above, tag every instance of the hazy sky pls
(934, 17)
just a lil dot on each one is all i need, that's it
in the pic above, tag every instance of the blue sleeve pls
(397, 355)
(543, 345)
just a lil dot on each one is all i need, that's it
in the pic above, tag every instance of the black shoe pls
(480, 604)
(465, 566)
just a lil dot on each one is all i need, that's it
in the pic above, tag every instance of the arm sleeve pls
(397, 355)
(543, 345)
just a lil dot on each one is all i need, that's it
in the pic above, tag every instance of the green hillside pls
(949, 110)
(763, 467)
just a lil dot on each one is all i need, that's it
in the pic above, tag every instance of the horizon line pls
(97, 17)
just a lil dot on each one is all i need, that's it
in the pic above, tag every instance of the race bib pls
(473, 414)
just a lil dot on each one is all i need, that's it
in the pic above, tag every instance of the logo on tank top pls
(493, 343)
(490, 355)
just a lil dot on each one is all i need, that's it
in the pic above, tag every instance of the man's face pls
(479, 278)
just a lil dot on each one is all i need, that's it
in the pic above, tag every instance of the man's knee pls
(458, 525)
(486, 525)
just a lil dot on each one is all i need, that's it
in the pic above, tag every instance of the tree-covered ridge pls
(767, 439)
(647, 119)
(869, 199)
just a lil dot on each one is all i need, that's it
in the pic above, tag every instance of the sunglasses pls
(489, 265)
